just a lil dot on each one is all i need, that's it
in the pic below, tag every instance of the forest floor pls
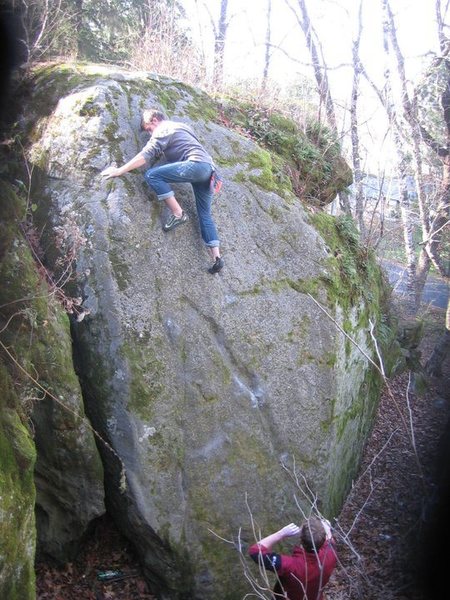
(392, 510)
(378, 531)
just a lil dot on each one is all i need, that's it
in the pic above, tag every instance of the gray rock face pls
(68, 475)
(42, 414)
(216, 394)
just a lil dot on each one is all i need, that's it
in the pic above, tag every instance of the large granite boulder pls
(216, 394)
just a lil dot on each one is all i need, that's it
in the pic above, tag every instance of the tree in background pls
(220, 35)
(117, 30)
(105, 28)
(317, 59)
(83, 29)
(142, 33)
(163, 44)
(416, 123)
(358, 175)
(320, 69)
(267, 54)
(401, 136)
(433, 113)
(48, 28)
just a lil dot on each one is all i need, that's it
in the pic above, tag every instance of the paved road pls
(435, 292)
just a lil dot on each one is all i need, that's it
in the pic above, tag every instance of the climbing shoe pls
(174, 221)
(219, 263)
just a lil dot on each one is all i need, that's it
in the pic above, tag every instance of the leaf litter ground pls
(391, 509)
(105, 550)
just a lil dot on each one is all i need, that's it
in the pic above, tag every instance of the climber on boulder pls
(187, 162)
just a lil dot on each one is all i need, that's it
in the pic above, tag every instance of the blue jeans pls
(198, 175)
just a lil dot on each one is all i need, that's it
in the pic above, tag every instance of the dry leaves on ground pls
(392, 501)
(105, 550)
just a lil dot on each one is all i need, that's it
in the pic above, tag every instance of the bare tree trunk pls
(318, 63)
(387, 100)
(408, 241)
(442, 349)
(219, 44)
(440, 22)
(321, 76)
(358, 175)
(422, 270)
(441, 219)
(410, 116)
(79, 27)
(268, 44)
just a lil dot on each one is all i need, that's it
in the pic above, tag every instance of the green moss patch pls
(17, 451)
(310, 155)
(353, 272)
(146, 374)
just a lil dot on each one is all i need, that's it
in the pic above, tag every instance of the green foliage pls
(48, 29)
(94, 30)
(322, 137)
(106, 28)
(430, 92)
(353, 268)
(310, 152)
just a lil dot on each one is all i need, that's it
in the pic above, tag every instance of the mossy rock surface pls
(308, 157)
(37, 354)
(17, 495)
